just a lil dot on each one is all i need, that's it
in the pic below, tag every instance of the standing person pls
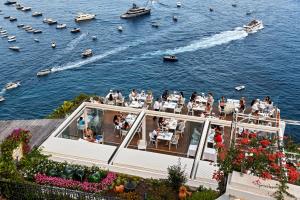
(242, 104)
(165, 95)
(193, 96)
(156, 107)
(210, 99)
(119, 95)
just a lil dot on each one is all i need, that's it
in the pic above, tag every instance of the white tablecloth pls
(136, 104)
(169, 105)
(210, 154)
(167, 136)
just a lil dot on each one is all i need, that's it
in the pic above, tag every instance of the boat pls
(53, 45)
(234, 5)
(12, 85)
(94, 37)
(2, 98)
(170, 58)
(75, 30)
(26, 27)
(12, 40)
(155, 24)
(6, 17)
(11, 37)
(84, 17)
(19, 6)
(253, 26)
(26, 9)
(241, 87)
(36, 40)
(10, 2)
(20, 25)
(178, 4)
(136, 11)
(249, 12)
(14, 48)
(3, 31)
(4, 35)
(12, 19)
(37, 14)
(37, 31)
(211, 10)
(175, 19)
(44, 72)
(87, 53)
(50, 21)
(61, 26)
(120, 28)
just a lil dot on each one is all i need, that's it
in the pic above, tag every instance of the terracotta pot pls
(119, 189)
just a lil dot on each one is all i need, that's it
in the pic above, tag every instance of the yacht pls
(44, 72)
(178, 4)
(87, 53)
(14, 48)
(170, 58)
(25, 9)
(241, 87)
(84, 17)
(136, 11)
(253, 26)
(75, 30)
(12, 85)
(61, 26)
(11, 37)
(120, 28)
(53, 45)
(37, 14)
(2, 98)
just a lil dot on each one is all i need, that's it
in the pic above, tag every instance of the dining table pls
(171, 124)
(136, 104)
(166, 136)
(169, 105)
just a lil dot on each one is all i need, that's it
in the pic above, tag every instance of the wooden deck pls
(39, 128)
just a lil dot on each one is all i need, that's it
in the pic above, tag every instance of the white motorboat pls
(84, 17)
(12, 40)
(53, 45)
(120, 28)
(94, 37)
(36, 40)
(14, 48)
(170, 58)
(175, 18)
(87, 53)
(2, 98)
(44, 72)
(37, 31)
(20, 25)
(178, 4)
(3, 31)
(253, 26)
(241, 87)
(75, 30)
(12, 19)
(37, 14)
(4, 35)
(12, 85)
(61, 26)
(26, 9)
(11, 37)
(136, 11)
(50, 21)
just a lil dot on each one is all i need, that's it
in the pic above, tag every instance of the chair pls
(181, 129)
(123, 133)
(152, 140)
(175, 140)
(178, 109)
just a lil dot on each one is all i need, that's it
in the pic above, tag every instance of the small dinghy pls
(12, 85)
(94, 37)
(36, 40)
(14, 48)
(26, 9)
(211, 10)
(170, 58)
(61, 26)
(20, 25)
(75, 30)
(53, 45)
(120, 28)
(2, 98)
(175, 18)
(12, 19)
(44, 72)
(178, 4)
(87, 53)
(241, 87)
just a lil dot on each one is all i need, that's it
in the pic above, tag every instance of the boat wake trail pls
(93, 59)
(2, 92)
(207, 42)
(75, 42)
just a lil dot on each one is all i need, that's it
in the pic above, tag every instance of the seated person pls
(165, 95)
(210, 99)
(254, 105)
(149, 97)
(190, 105)
(156, 105)
(125, 126)
(110, 98)
(193, 96)
(116, 120)
(119, 95)
(89, 135)
(161, 121)
(81, 121)
(133, 95)
(154, 134)
(222, 103)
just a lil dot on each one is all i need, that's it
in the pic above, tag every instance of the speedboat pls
(94, 37)
(253, 26)
(61, 26)
(10, 2)
(170, 58)
(26, 9)
(136, 11)
(241, 87)
(12, 85)
(37, 14)
(120, 28)
(4, 35)
(11, 37)
(178, 4)
(12, 19)
(50, 21)
(20, 25)
(75, 30)
(12, 40)
(26, 27)
(84, 17)
(53, 45)
(175, 19)
(37, 31)
(87, 53)
(2, 98)
(14, 48)
(44, 72)
(3, 31)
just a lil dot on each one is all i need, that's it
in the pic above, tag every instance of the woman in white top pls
(156, 105)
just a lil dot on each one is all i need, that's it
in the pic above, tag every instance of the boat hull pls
(128, 16)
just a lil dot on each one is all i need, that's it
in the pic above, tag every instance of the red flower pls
(266, 175)
(293, 175)
(245, 141)
(275, 166)
(220, 145)
(272, 157)
(241, 156)
(279, 154)
(218, 138)
(265, 143)
(252, 135)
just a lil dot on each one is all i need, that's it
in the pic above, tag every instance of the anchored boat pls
(84, 17)
(61, 26)
(170, 58)
(12, 85)
(75, 30)
(87, 53)
(37, 14)
(136, 11)
(44, 72)
(14, 48)
(241, 87)
(2, 98)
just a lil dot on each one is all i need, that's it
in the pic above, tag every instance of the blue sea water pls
(214, 53)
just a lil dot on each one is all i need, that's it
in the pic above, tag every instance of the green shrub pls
(207, 194)
(176, 176)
